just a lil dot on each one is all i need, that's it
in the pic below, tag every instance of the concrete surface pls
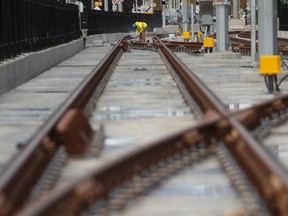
(222, 55)
(16, 71)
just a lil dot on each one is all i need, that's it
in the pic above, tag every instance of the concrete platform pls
(222, 55)
(235, 81)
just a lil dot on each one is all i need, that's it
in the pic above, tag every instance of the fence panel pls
(32, 25)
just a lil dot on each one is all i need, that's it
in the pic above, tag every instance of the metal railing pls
(32, 25)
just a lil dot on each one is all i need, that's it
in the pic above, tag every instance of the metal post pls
(184, 13)
(163, 15)
(106, 5)
(120, 6)
(192, 23)
(114, 7)
(170, 7)
(267, 27)
(178, 4)
(268, 49)
(222, 25)
(253, 33)
(235, 9)
(248, 15)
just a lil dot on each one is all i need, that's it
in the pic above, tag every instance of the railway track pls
(126, 151)
(240, 42)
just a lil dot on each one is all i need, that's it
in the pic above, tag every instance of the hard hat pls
(134, 26)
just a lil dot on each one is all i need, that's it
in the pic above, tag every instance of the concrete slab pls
(25, 108)
(222, 55)
(200, 189)
(234, 81)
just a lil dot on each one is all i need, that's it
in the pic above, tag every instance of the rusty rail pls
(82, 192)
(173, 45)
(254, 160)
(241, 44)
(264, 172)
(184, 46)
(18, 179)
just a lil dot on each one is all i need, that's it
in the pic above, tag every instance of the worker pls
(179, 22)
(140, 30)
(199, 36)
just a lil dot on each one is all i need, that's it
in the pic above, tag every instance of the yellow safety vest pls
(140, 26)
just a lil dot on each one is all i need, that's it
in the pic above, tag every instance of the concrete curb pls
(16, 71)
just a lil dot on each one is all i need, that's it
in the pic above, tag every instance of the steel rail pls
(264, 172)
(241, 43)
(19, 177)
(251, 117)
(252, 158)
(79, 194)
(174, 45)
(98, 183)
(202, 95)
(141, 160)
(196, 44)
